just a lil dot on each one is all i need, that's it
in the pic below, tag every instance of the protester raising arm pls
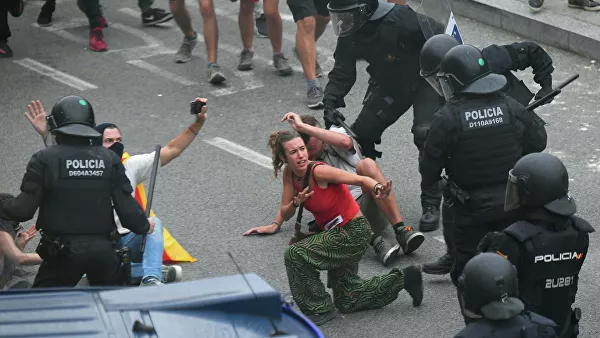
(37, 118)
(177, 145)
(332, 138)
(323, 175)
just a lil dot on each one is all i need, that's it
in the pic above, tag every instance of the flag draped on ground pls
(173, 251)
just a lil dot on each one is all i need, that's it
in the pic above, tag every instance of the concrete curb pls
(545, 27)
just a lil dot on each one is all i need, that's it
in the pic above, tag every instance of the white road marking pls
(56, 74)
(241, 151)
(439, 238)
(59, 29)
(161, 72)
(249, 83)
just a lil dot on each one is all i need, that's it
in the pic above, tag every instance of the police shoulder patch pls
(88, 168)
(484, 117)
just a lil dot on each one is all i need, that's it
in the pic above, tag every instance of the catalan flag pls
(173, 251)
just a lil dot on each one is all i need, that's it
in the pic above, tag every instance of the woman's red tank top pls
(332, 206)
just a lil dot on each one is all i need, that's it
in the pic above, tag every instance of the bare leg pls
(389, 206)
(398, 2)
(182, 17)
(211, 30)
(246, 23)
(274, 24)
(306, 46)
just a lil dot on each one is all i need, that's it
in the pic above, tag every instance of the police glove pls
(543, 92)
(486, 242)
(332, 117)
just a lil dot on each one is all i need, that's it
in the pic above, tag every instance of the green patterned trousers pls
(338, 251)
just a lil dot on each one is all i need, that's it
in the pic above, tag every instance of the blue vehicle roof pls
(225, 306)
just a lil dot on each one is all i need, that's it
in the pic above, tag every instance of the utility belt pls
(124, 255)
(53, 246)
(457, 193)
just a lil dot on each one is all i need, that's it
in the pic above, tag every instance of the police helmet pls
(431, 56)
(463, 70)
(489, 287)
(72, 115)
(348, 16)
(539, 180)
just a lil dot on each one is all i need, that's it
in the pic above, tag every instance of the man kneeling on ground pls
(336, 148)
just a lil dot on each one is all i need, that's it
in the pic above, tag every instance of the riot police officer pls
(503, 60)
(73, 183)
(477, 137)
(389, 37)
(488, 291)
(548, 244)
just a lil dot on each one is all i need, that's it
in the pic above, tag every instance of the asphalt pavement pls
(223, 183)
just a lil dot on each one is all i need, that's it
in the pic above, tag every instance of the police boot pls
(409, 239)
(430, 221)
(383, 251)
(440, 267)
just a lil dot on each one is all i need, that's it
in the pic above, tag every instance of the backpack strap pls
(301, 209)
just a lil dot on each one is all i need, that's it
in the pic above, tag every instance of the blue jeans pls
(152, 261)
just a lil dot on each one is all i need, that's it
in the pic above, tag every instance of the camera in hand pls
(196, 107)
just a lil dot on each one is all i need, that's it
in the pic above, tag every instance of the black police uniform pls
(488, 290)
(502, 59)
(75, 186)
(548, 244)
(476, 137)
(390, 43)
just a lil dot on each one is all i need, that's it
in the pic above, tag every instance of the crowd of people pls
(506, 209)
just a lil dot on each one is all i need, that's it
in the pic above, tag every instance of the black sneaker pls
(383, 251)
(413, 283)
(409, 239)
(588, 5)
(440, 267)
(5, 51)
(155, 16)
(536, 5)
(430, 221)
(322, 318)
(261, 26)
(45, 17)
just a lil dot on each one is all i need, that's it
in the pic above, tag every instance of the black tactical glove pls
(487, 241)
(331, 117)
(543, 92)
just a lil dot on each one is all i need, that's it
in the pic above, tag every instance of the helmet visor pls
(447, 90)
(348, 20)
(511, 200)
(435, 83)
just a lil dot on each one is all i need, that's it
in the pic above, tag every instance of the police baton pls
(347, 128)
(553, 93)
(151, 191)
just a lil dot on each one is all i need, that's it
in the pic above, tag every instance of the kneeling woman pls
(338, 249)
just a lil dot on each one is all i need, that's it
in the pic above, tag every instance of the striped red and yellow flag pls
(173, 251)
